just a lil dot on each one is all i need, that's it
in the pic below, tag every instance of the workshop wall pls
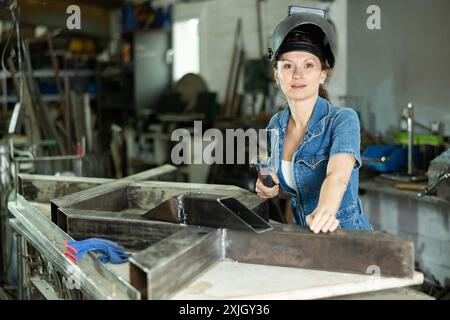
(425, 222)
(218, 21)
(406, 60)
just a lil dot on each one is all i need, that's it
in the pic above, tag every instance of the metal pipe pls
(428, 189)
(19, 252)
(5, 189)
(410, 138)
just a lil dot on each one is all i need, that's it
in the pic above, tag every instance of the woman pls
(319, 142)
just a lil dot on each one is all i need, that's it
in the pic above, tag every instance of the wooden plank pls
(410, 186)
(229, 280)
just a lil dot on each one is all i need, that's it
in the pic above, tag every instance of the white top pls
(288, 173)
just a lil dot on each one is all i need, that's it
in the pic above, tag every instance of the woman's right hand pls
(268, 192)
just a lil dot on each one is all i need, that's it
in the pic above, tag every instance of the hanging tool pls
(235, 70)
(267, 158)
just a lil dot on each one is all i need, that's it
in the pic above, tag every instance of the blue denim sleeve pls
(346, 135)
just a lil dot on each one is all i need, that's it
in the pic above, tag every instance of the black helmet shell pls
(297, 19)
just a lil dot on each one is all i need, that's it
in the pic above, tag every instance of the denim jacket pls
(331, 130)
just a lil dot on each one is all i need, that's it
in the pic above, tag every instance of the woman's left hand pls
(323, 220)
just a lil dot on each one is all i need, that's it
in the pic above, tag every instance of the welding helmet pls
(289, 33)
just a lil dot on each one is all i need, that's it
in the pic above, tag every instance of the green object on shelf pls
(419, 139)
(48, 143)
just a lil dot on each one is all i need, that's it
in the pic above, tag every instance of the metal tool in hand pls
(267, 158)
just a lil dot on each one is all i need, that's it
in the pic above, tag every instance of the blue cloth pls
(331, 130)
(111, 251)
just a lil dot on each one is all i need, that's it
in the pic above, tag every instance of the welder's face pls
(299, 74)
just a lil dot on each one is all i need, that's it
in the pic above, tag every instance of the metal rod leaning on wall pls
(67, 105)
(34, 92)
(20, 274)
(55, 67)
(34, 128)
(229, 95)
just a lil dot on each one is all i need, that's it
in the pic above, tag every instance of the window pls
(186, 48)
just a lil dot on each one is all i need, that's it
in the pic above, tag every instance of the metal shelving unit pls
(41, 73)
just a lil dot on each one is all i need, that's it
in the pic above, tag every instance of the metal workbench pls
(41, 259)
